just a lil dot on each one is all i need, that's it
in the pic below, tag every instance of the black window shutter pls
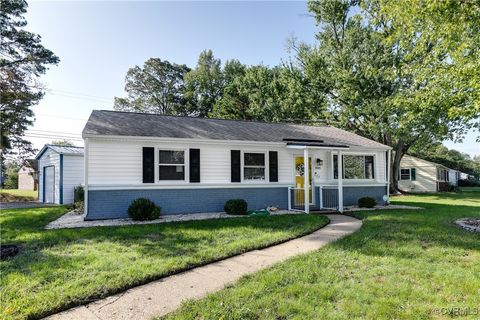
(148, 161)
(273, 165)
(194, 165)
(235, 164)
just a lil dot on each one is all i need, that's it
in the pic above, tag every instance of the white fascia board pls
(186, 186)
(185, 140)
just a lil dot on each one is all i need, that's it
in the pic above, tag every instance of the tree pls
(269, 94)
(63, 143)
(156, 88)
(372, 82)
(204, 84)
(23, 59)
(11, 175)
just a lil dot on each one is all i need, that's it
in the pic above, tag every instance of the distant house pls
(453, 177)
(418, 175)
(188, 165)
(27, 175)
(60, 170)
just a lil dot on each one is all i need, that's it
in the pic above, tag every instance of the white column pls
(306, 185)
(85, 177)
(340, 181)
(389, 161)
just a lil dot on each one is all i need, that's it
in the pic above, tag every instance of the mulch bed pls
(8, 250)
(470, 224)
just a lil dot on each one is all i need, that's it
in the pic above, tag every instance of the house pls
(453, 177)
(418, 175)
(188, 165)
(27, 175)
(60, 170)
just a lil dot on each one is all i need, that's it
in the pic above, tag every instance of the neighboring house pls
(418, 175)
(453, 177)
(60, 170)
(188, 165)
(27, 175)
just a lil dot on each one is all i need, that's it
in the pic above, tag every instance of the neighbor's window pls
(171, 165)
(404, 174)
(253, 166)
(355, 167)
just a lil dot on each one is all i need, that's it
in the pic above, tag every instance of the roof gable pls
(60, 150)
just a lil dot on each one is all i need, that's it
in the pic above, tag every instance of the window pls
(404, 174)
(171, 165)
(253, 166)
(355, 167)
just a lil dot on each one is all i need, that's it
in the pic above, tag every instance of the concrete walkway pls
(165, 295)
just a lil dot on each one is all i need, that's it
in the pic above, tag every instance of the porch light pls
(319, 162)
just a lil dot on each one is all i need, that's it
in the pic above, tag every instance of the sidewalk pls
(165, 295)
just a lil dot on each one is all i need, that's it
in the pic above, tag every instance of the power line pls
(53, 132)
(56, 116)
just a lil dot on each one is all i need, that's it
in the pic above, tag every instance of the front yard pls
(61, 268)
(14, 195)
(402, 264)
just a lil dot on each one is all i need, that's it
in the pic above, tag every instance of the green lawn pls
(62, 268)
(405, 264)
(9, 195)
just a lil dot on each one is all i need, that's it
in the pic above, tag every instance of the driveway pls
(23, 205)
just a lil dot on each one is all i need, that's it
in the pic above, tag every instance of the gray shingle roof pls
(60, 150)
(116, 123)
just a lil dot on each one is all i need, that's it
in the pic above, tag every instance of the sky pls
(97, 42)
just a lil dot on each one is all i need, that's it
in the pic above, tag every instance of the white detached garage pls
(60, 170)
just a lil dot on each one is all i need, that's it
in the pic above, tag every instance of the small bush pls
(143, 209)
(367, 202)
(468, 183)
(236, 207)
(78, 194)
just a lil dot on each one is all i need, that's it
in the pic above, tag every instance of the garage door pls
(49, 185)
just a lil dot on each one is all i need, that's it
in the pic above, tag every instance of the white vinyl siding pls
(426, 175)
(115, 162)
(120, 163)
(72, 175)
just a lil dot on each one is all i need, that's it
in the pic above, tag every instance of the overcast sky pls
(98, 42)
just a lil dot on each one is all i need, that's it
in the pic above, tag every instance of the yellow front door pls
(300, 180)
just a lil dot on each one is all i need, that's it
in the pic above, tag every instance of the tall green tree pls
(372, 79)
(23, 59)
(204, 84)
(269, 94)
(157, 87)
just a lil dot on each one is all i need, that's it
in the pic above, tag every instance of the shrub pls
(367, 202)
(236, 206)
(468, 183)
(143, 209)
(78, 194)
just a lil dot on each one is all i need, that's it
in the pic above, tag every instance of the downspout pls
(85, 179)
(389, 160)
(61, 178)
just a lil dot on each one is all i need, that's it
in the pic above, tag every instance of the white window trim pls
(186, 160)
(242, 166)
(375, 169)
(409, 174)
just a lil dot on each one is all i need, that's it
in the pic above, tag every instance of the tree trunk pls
(398, 151)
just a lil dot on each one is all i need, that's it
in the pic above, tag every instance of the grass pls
(61, 268)
(402, 264)
(13, 195)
